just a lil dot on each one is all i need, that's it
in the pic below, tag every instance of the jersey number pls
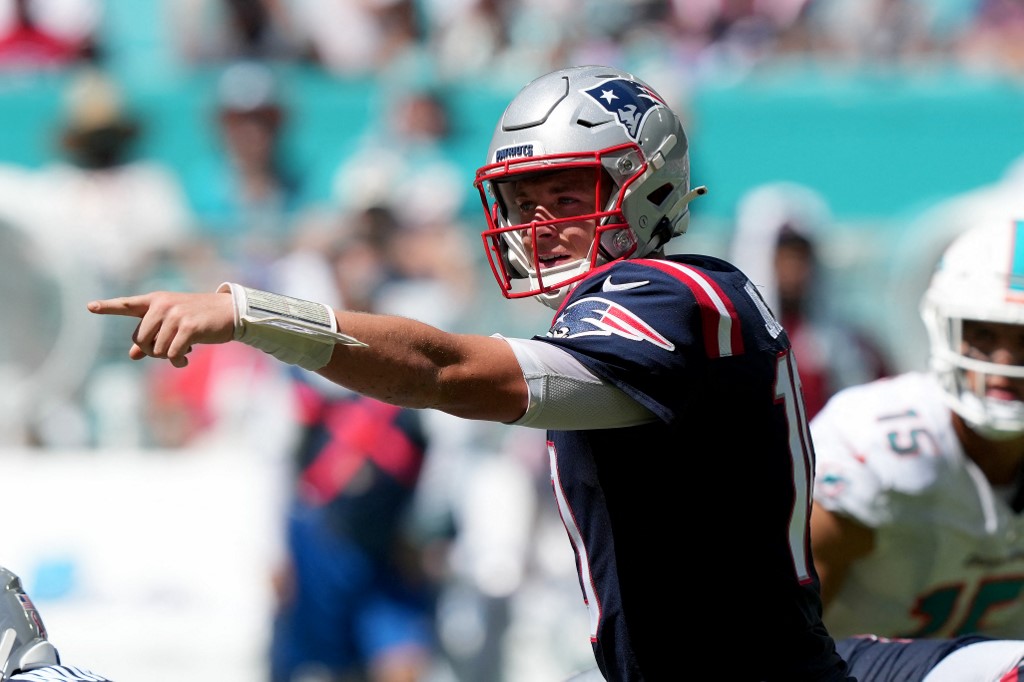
(937, 608)
(789, 394)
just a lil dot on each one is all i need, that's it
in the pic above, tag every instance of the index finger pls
(128, 306)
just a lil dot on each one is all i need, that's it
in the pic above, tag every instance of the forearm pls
(403, 362)
(409, 363)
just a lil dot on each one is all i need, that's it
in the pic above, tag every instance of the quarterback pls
(647, 367)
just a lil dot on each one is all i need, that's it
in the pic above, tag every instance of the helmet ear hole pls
(660, 194)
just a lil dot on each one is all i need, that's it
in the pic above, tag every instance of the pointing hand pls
(170, 323)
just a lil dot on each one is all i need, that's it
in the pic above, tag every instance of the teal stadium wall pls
(876, 145)
(881, 145)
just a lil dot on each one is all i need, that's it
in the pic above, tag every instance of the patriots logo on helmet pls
(596, 316)
(630, 102)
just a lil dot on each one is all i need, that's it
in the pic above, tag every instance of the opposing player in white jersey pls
(916, 526)
(25, 652)
(968, 658)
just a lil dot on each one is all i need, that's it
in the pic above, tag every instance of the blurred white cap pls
(247, 86)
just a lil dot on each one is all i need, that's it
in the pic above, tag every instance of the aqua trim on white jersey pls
(949, 550)
(1016, 283)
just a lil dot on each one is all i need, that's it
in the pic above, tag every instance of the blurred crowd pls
(398, 232)
(512, 39)
(249, 208)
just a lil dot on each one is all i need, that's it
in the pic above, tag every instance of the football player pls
(917, 528)
(968, 658)
(25, 651)
(650, 363)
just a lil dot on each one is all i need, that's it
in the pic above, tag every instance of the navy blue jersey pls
(899, 660)
(360, 459)
(697, 523)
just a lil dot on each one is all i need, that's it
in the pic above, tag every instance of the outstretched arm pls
(410, 363)
(404, 362)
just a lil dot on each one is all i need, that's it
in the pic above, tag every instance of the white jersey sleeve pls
(566, 395)
(988, 661)
(891, 437)
(948, 556)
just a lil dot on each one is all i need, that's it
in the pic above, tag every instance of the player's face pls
(999, 343)
(558, 196)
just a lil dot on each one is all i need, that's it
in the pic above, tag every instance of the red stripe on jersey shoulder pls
(723, 335)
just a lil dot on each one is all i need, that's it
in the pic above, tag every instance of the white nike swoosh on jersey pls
(610, 286)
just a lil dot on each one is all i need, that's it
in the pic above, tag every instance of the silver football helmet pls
(23, 643)
(980, 276)
(586, 117)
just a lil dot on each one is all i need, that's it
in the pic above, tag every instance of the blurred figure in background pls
(36, 35)
(468, 38)
(210, 32)
(402, 174)
(357, 590)
(246, 195)
(355, 601)
(369, 38)
(98, 201)
(777, 242)
(403, 160)
(106, 219)
(247, 198)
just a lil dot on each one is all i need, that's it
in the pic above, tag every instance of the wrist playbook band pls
(294, 331)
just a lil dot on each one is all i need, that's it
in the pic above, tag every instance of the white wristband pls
(295, 331)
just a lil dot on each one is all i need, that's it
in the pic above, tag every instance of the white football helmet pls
(586, 117)
(980, 276)
(23, 643)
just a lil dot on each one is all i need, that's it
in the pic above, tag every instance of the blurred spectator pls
(467, 38)
(403, 161)
(994, 41)
(98, 201)
(121, 221)
(353, 39)
(48, 34)
(215, 32)
(358, 587)
(246, 195)
(780, 228)
(353, 595)
(873, 32)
